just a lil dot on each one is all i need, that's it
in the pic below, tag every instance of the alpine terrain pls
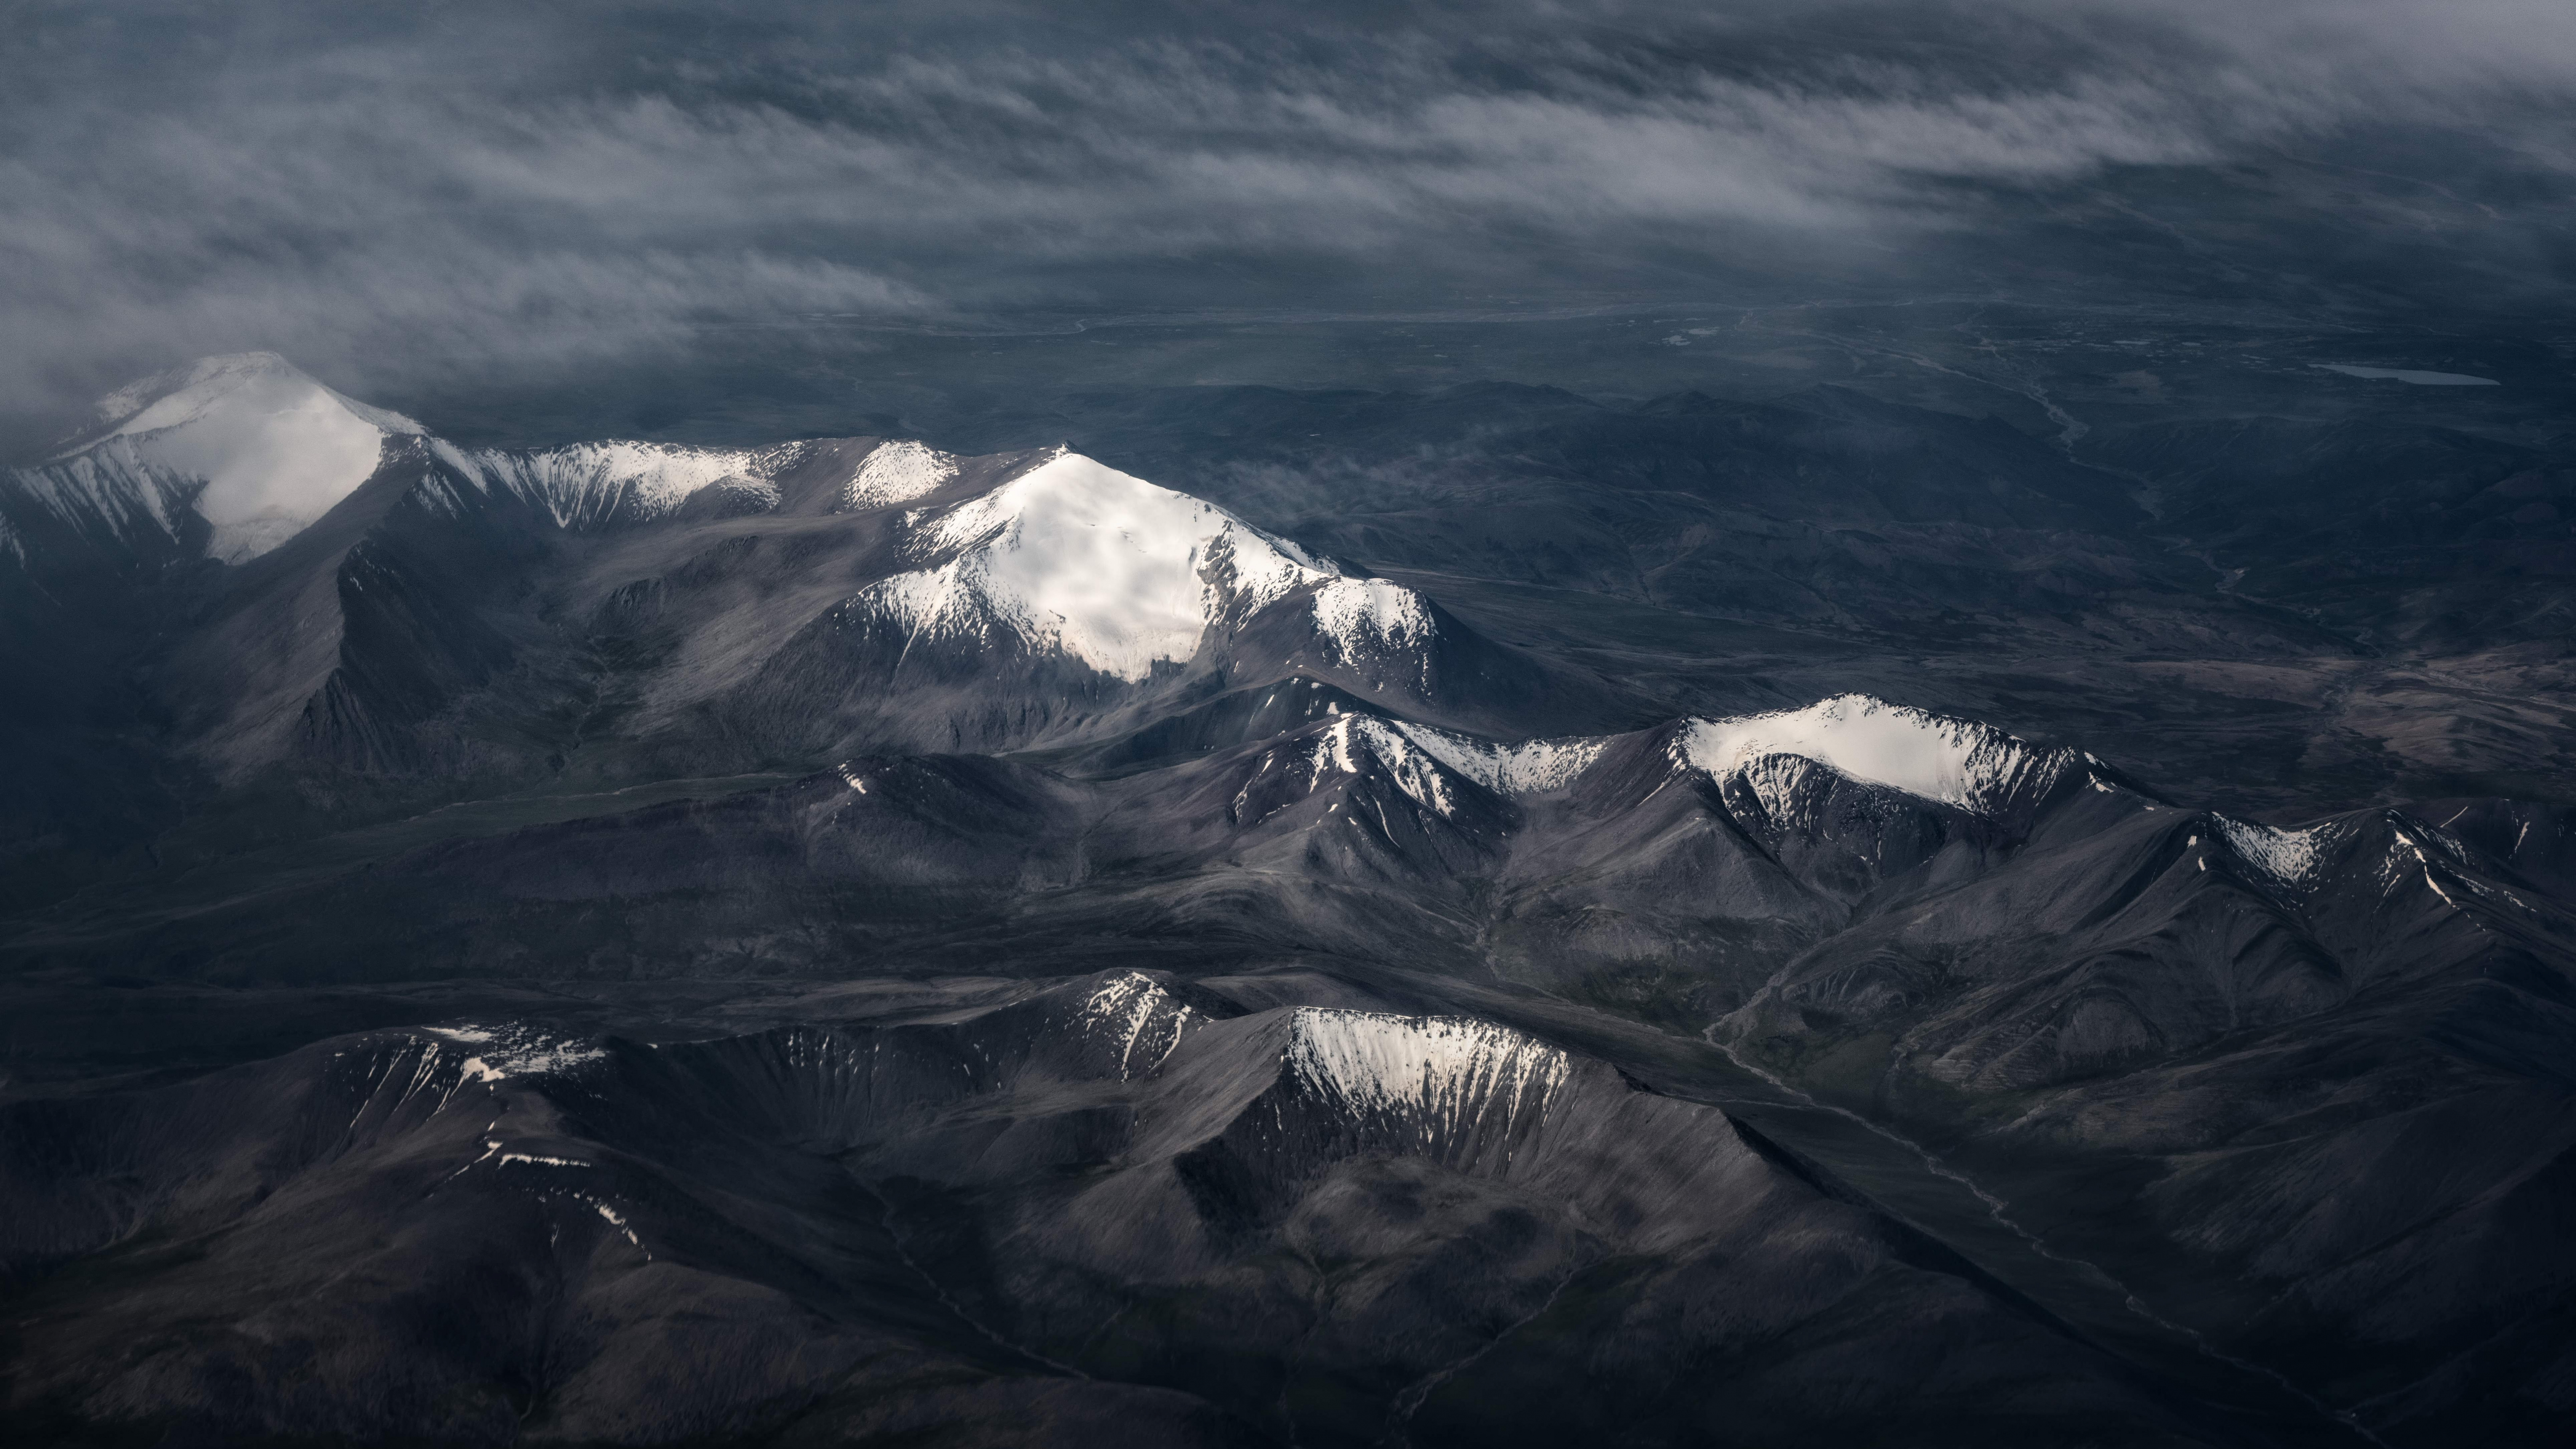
(1236, 916)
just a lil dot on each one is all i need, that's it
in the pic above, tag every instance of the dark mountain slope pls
(499, 1236)
(2264, 1034)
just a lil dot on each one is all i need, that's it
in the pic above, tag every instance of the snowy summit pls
(1074, 557)
(1961, 763)
(267, 449)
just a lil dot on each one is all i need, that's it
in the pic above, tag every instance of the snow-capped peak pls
(1076, 558)
(1974, 767)
(212, 385)
(1079, 558)
(267, 449)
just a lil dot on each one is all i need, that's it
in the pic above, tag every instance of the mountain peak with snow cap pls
(1957, 762)
(265, 449)
(1077, 558)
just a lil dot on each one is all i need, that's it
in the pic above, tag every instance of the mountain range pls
(1535, 920)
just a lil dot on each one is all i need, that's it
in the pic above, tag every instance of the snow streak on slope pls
(896, 472)
(1775, 781)
(1438, 1071)
(107, 490)
(1133, 1011)
(586, 484)
(2288, 857)
(1530, 768)
(1362, 617)
(1972, 766)
(266, 449)
(1354, 741)
(1076, 558)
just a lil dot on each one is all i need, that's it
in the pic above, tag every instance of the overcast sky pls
(405, 191)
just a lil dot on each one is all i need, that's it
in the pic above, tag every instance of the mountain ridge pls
(1050, 779)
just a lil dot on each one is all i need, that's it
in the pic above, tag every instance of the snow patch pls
(517, 1050)
(1416, 772)
(1358, 618)
(1774, 782)
(1438, 1069)
(1530, 768)
(1354, 742)
(2288, 857)
(1132, 1010)
(1974, 767)
(896, 472)
(2093, 778)
(1423, 762)
(618, 1221)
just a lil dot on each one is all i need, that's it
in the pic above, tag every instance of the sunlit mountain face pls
(1501, 725)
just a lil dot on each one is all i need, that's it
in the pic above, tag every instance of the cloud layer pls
(474, 188)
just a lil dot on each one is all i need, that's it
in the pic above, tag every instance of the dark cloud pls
(401, 193)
